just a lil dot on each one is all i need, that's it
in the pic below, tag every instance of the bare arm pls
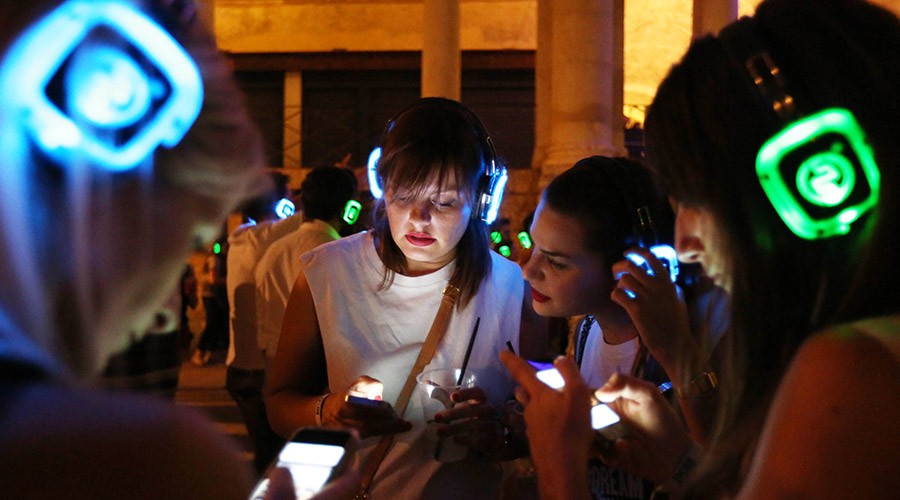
(299, 378)
(832, 429)
(298, 375)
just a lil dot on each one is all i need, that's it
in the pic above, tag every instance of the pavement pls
(203, 388)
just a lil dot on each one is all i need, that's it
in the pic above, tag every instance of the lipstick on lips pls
(419, 239)
(538, 296)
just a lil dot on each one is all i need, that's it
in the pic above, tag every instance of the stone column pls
(542, 93)
(441, 59)
(710, 16)
(586, 80)
(293, 113)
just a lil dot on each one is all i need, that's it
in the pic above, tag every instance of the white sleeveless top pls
(379, 333)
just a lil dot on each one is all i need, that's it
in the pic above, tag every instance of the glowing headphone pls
(351, 211)
(525, 239)
(818, 171)
(285, 208)
(647, 238)
(127, 86)
(489, 195)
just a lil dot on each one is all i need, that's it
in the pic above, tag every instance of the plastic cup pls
(434, 388)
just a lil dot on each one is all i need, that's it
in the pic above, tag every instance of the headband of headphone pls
(818, 171)
(489, 194)
(101, 80)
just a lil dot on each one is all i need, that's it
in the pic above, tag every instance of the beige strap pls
(438, 328)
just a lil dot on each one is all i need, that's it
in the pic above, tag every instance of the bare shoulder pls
(831, 429)
(62, 443)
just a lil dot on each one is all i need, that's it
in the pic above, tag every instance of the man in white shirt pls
(323, 195)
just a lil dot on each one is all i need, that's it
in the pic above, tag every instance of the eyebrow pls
(554, 254)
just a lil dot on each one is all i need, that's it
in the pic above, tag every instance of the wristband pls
(701, 385)
(320, 403)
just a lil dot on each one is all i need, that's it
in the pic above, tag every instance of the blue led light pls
(665, 253)
(284, 208)
(371, 165)
(106, 87)
(496, 198)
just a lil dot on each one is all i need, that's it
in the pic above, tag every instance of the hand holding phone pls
(314, 456)
(366, 404)
(603, 419)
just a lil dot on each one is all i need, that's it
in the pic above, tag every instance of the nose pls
(689, 249)
(531, 269)
(421, 211)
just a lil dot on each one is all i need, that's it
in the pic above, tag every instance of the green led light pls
(824, 179)
(351, 211)
(496, 237)
(525, 239)
(505, 251)
(217, 248)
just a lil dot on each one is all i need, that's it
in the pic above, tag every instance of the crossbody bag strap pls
(438, 328)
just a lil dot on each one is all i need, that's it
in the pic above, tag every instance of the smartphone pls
(603, 418)
(314, 456)
(370, 403)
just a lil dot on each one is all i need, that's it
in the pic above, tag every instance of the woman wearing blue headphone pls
(360, 312)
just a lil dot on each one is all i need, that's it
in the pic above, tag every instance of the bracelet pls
(320, 403)
(701, 385)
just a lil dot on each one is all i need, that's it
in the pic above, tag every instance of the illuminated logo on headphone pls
(285, 208)
(819, 174)
(99, 79)
(525, 239)
(351, 211)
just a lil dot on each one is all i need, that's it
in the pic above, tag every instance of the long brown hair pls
(703, 131)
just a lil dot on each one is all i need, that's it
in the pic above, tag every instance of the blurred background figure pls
(111, 182)
(325, 195)
(266, 220)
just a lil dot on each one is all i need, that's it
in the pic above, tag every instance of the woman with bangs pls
(360, 310)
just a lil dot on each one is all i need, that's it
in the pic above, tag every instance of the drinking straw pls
(511, 348)
(462, 371)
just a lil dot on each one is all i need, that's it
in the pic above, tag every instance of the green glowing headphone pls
(818, 171)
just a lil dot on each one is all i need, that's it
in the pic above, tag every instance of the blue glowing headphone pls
(818, 171)
(125, 85)
(491, 187)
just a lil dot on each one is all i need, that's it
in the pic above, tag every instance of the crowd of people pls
(732, 296)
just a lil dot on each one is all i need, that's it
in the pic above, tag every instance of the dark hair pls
(703, 131)
(434, 140)
(604, 194)
(325, 191)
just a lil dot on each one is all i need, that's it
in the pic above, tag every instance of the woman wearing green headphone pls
(777, 143)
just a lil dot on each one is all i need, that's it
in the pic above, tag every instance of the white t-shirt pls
(601, 360)
(379, 333)
(246, 245)
(276, 273)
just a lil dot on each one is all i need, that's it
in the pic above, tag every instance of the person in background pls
(776, 139)
(97, 248)
(244, 375)
(361, 307)
(214, 295)
(324, 195)
(190, 299)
